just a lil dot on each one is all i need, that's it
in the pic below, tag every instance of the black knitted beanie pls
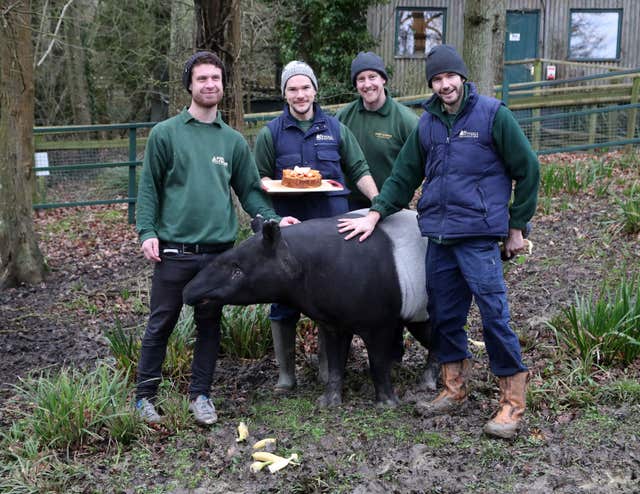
(367, 61)
(444, 58)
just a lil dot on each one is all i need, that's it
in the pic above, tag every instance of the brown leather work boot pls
(454, 394)
(513, 395)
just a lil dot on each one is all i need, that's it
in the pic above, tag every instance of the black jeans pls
(169, 278)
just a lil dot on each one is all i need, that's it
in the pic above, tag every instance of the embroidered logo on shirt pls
(323, 137)
(219, 160)
(382, 135)
(469, 134)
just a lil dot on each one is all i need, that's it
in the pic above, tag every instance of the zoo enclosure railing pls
(97, 164)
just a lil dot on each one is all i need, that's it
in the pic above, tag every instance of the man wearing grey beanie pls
(305, 136)
(467, 151)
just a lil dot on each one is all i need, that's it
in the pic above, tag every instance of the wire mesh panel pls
(569, 128)
(86, 166)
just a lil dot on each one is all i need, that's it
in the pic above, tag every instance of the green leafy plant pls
(73, 408)
(603, 330)
(630, 209)
(246, 331)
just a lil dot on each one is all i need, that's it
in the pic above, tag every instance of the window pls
(418, 30)
(595, 34)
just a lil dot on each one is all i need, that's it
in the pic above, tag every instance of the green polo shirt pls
(381, 134)
(511, 144)
(189, 170)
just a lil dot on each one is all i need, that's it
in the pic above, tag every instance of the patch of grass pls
(603, 330)
(57, 414)
(246, 331)
(624, 391)
(296, 414)
(630, 209)
(73, 408)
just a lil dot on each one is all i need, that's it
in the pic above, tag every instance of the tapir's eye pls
(236, 271)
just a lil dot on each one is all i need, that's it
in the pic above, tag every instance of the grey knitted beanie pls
(444, 58)
(297, 67)
(367, 61)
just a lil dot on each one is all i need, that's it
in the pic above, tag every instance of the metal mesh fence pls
(95, 165)
(572, 128)
(85, 166)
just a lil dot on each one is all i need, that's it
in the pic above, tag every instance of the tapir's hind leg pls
(380, 351)
(337, 342)
(421, 331)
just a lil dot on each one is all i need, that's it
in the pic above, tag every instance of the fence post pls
(631, 118)
(505, 92)
(537, 125)
(132, 176)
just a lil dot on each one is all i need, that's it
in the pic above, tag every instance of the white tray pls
(276, 187)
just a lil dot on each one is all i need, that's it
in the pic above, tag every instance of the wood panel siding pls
(408, 72)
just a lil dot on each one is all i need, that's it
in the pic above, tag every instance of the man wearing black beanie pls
(381, 125)
(466, 152)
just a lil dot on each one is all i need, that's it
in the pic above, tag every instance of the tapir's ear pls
(256, 223)
(270, 234)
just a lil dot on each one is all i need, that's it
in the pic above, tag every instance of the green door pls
(521, 44)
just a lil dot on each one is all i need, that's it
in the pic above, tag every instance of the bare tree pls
(484, 32)
(182, 44)
(218, 29)
(20, 258)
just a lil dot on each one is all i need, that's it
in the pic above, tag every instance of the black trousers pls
(170, 276)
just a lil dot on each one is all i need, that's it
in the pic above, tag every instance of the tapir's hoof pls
(429, 381)
(389, 402)
(330, 399)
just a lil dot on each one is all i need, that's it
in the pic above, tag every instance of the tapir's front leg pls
(337, 343)
(379, 349)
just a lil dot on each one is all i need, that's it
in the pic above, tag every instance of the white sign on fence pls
(42, 161)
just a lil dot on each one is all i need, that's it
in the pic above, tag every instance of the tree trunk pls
(76, 66)
(182, 44)
(218, 30)
(484, 31)
(20, 257)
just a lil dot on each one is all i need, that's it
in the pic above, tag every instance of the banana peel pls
(272, 461)
(266, 443)
(243, 432)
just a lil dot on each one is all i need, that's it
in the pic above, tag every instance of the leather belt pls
(180, 248)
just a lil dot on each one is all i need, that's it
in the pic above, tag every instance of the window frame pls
(405, 8)
(616, 58)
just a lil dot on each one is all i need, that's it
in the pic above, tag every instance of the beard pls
(208, 100)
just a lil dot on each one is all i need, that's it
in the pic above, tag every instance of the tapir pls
(367, 288)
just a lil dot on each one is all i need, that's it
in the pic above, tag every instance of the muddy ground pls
(569, 444)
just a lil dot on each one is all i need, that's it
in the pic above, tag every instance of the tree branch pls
(55, 33)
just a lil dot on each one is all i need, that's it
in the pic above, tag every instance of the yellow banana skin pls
(243, 432)
(265, 443)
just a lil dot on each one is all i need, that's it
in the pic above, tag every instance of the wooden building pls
(574, 37)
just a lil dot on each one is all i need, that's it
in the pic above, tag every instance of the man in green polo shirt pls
(380, 124)
(185, 217)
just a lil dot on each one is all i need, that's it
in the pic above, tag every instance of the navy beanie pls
(444, 58)
(367, 61)
(205, 57)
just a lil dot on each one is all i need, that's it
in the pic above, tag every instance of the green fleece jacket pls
(511, 145)
(380, 133)
(189, 170)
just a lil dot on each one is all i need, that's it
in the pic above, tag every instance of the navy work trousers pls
(456, 273)
(170, 276)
